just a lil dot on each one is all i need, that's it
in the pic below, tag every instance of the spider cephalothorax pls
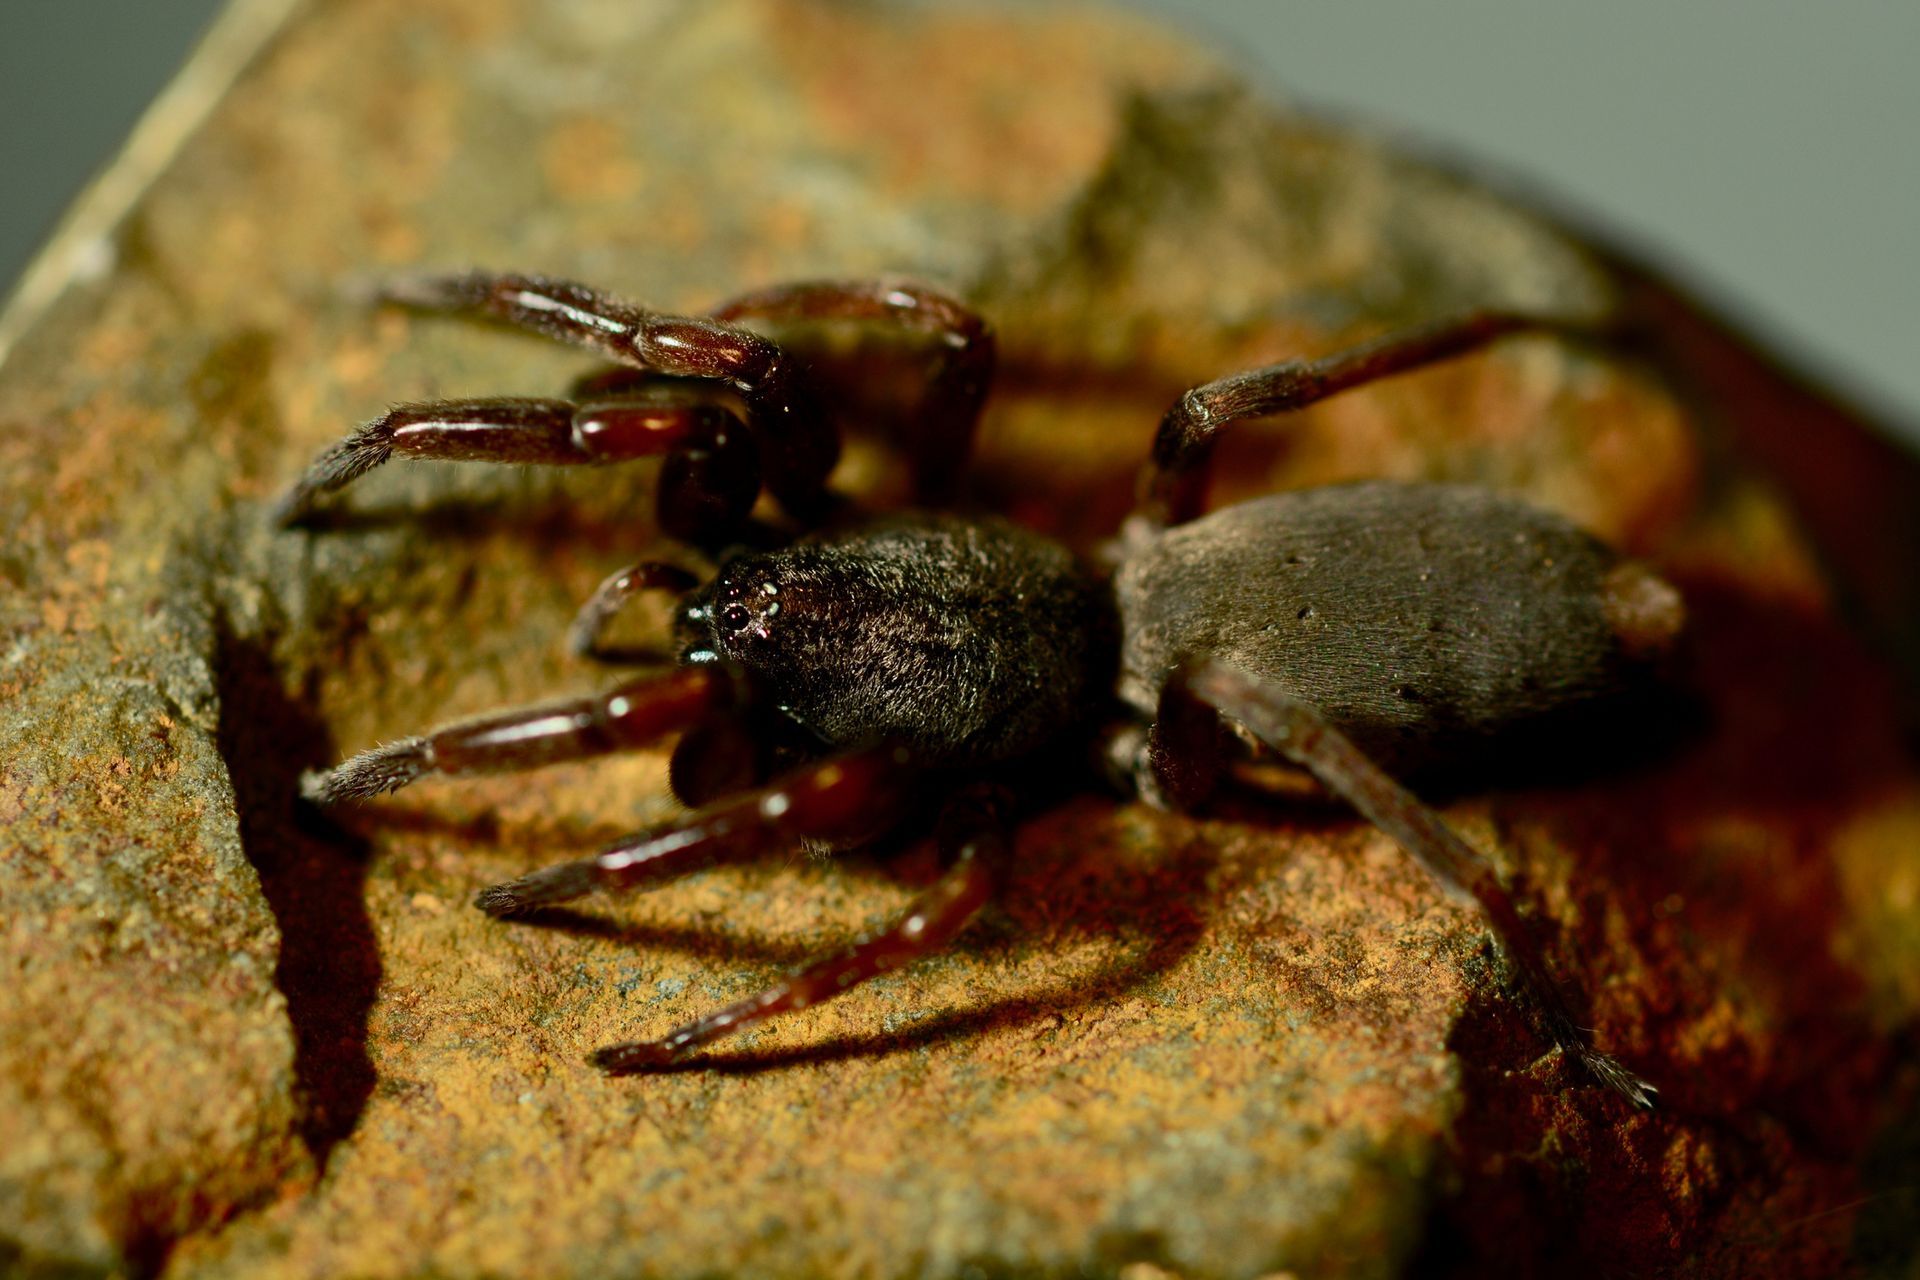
(968, 640)
(883, 660)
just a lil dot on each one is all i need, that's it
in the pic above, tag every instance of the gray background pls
(1769, 146)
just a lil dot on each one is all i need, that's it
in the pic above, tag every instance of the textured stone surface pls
(241, 1040)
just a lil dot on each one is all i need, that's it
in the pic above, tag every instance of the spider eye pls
(735, 617)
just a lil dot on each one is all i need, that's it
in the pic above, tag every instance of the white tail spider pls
(882, 663)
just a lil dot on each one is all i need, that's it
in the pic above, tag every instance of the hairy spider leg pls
(708, 480)
(843, 800)
(798, 445)
(973, 840)
(1301, 734)
(590, 624)
(957, 385)
(630, 715)
(1175, 484)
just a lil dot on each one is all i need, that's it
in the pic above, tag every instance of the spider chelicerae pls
(838, 685)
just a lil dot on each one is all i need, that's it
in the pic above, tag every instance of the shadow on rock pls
(1157, 911)
(313, 876)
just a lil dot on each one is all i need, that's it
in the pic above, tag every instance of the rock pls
(250, 1041)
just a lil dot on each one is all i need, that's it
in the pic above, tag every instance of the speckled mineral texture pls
(238, 1039)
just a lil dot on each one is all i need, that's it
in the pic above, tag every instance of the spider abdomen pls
(1422, 620)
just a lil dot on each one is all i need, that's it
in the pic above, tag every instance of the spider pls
(835, 686)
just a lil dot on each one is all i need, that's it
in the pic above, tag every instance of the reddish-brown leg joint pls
(1174, 487)
(958, 385)
(973, 838)
(797, 445)
(584, 636)
(710, 477)
(631, 715)
(845, 800)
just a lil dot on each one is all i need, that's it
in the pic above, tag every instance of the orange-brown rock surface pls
(238, 1039)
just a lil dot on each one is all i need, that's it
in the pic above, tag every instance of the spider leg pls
(627, 716)
(958, 384)
(583, 637)
(972, 835)
(1174, 487)
(1303, 736)
(707, 483)
(843, 800)
(798, 446)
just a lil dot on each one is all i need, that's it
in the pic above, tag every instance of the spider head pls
(736, 617)
(785, 616)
